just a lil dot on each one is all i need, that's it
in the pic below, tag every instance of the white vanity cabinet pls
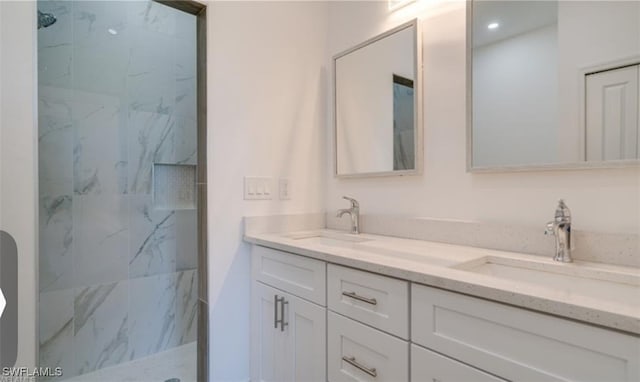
(313, 321)
(288, 333)
(518, 344)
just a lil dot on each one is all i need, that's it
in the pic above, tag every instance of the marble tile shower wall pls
(117, 91)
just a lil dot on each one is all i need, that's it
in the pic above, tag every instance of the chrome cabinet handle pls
(352, 361)
(354, 296)
(276, 299)
(280, 320)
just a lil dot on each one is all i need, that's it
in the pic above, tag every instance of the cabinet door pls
(518, 344)
(612, 114)
(288, 337)
(269, 347)
(429, 366)
(306, 331)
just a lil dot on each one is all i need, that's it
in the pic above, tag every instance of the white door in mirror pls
(612, 104)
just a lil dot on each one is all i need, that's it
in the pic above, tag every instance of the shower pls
(45, 20)
(118, 247)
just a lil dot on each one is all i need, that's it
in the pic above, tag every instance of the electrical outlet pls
(257, 188)
(284, 187)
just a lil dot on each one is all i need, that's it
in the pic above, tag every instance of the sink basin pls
(369, 246)
(575, 279)
(328, 238)
(407, 256)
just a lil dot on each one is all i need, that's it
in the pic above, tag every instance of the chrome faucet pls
(560, 227)
(354, 212)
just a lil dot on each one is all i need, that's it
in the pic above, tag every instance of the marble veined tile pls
(56, 331)
(56, 242)
(55, 64)
(151, 140)
(150, 75)
(186, 25)
(187, 307)
(101, 237)
(101, 336)
(101, 47)
(152, 247)
(152, 16)
(152, 311)
(92, 19)
(55, 45)
(100, 145)
(55, 141)
(186, 141)
(185, 77)
(62, 30)
(186, 239)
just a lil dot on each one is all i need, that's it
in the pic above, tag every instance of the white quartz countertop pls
(600, 294)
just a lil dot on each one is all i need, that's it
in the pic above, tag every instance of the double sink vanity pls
(330, 305)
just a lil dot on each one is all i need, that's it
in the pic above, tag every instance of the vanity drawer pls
(518, 344)
(357, 352)
(379, 301)
(429, 366)
(298, 275)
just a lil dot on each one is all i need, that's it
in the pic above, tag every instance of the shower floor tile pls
(179, 362)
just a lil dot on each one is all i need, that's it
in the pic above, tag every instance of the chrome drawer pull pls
(354, 296)
(352, 361)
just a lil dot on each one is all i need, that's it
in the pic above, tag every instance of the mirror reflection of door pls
(403, 122)
(612, 102)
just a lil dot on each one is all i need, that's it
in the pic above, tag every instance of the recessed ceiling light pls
(112, 31)
(493, 26)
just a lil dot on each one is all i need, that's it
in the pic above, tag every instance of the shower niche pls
(174, 187)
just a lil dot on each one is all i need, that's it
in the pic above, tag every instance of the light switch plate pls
(284, 189)
(257, 188)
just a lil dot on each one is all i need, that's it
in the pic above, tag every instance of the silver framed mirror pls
(552, 85)
(378, 106)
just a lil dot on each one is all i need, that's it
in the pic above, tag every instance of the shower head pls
(45, 20)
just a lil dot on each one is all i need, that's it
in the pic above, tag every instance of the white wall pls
(266, 115)
(18, 158)
(515, 94)
(602, 200)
